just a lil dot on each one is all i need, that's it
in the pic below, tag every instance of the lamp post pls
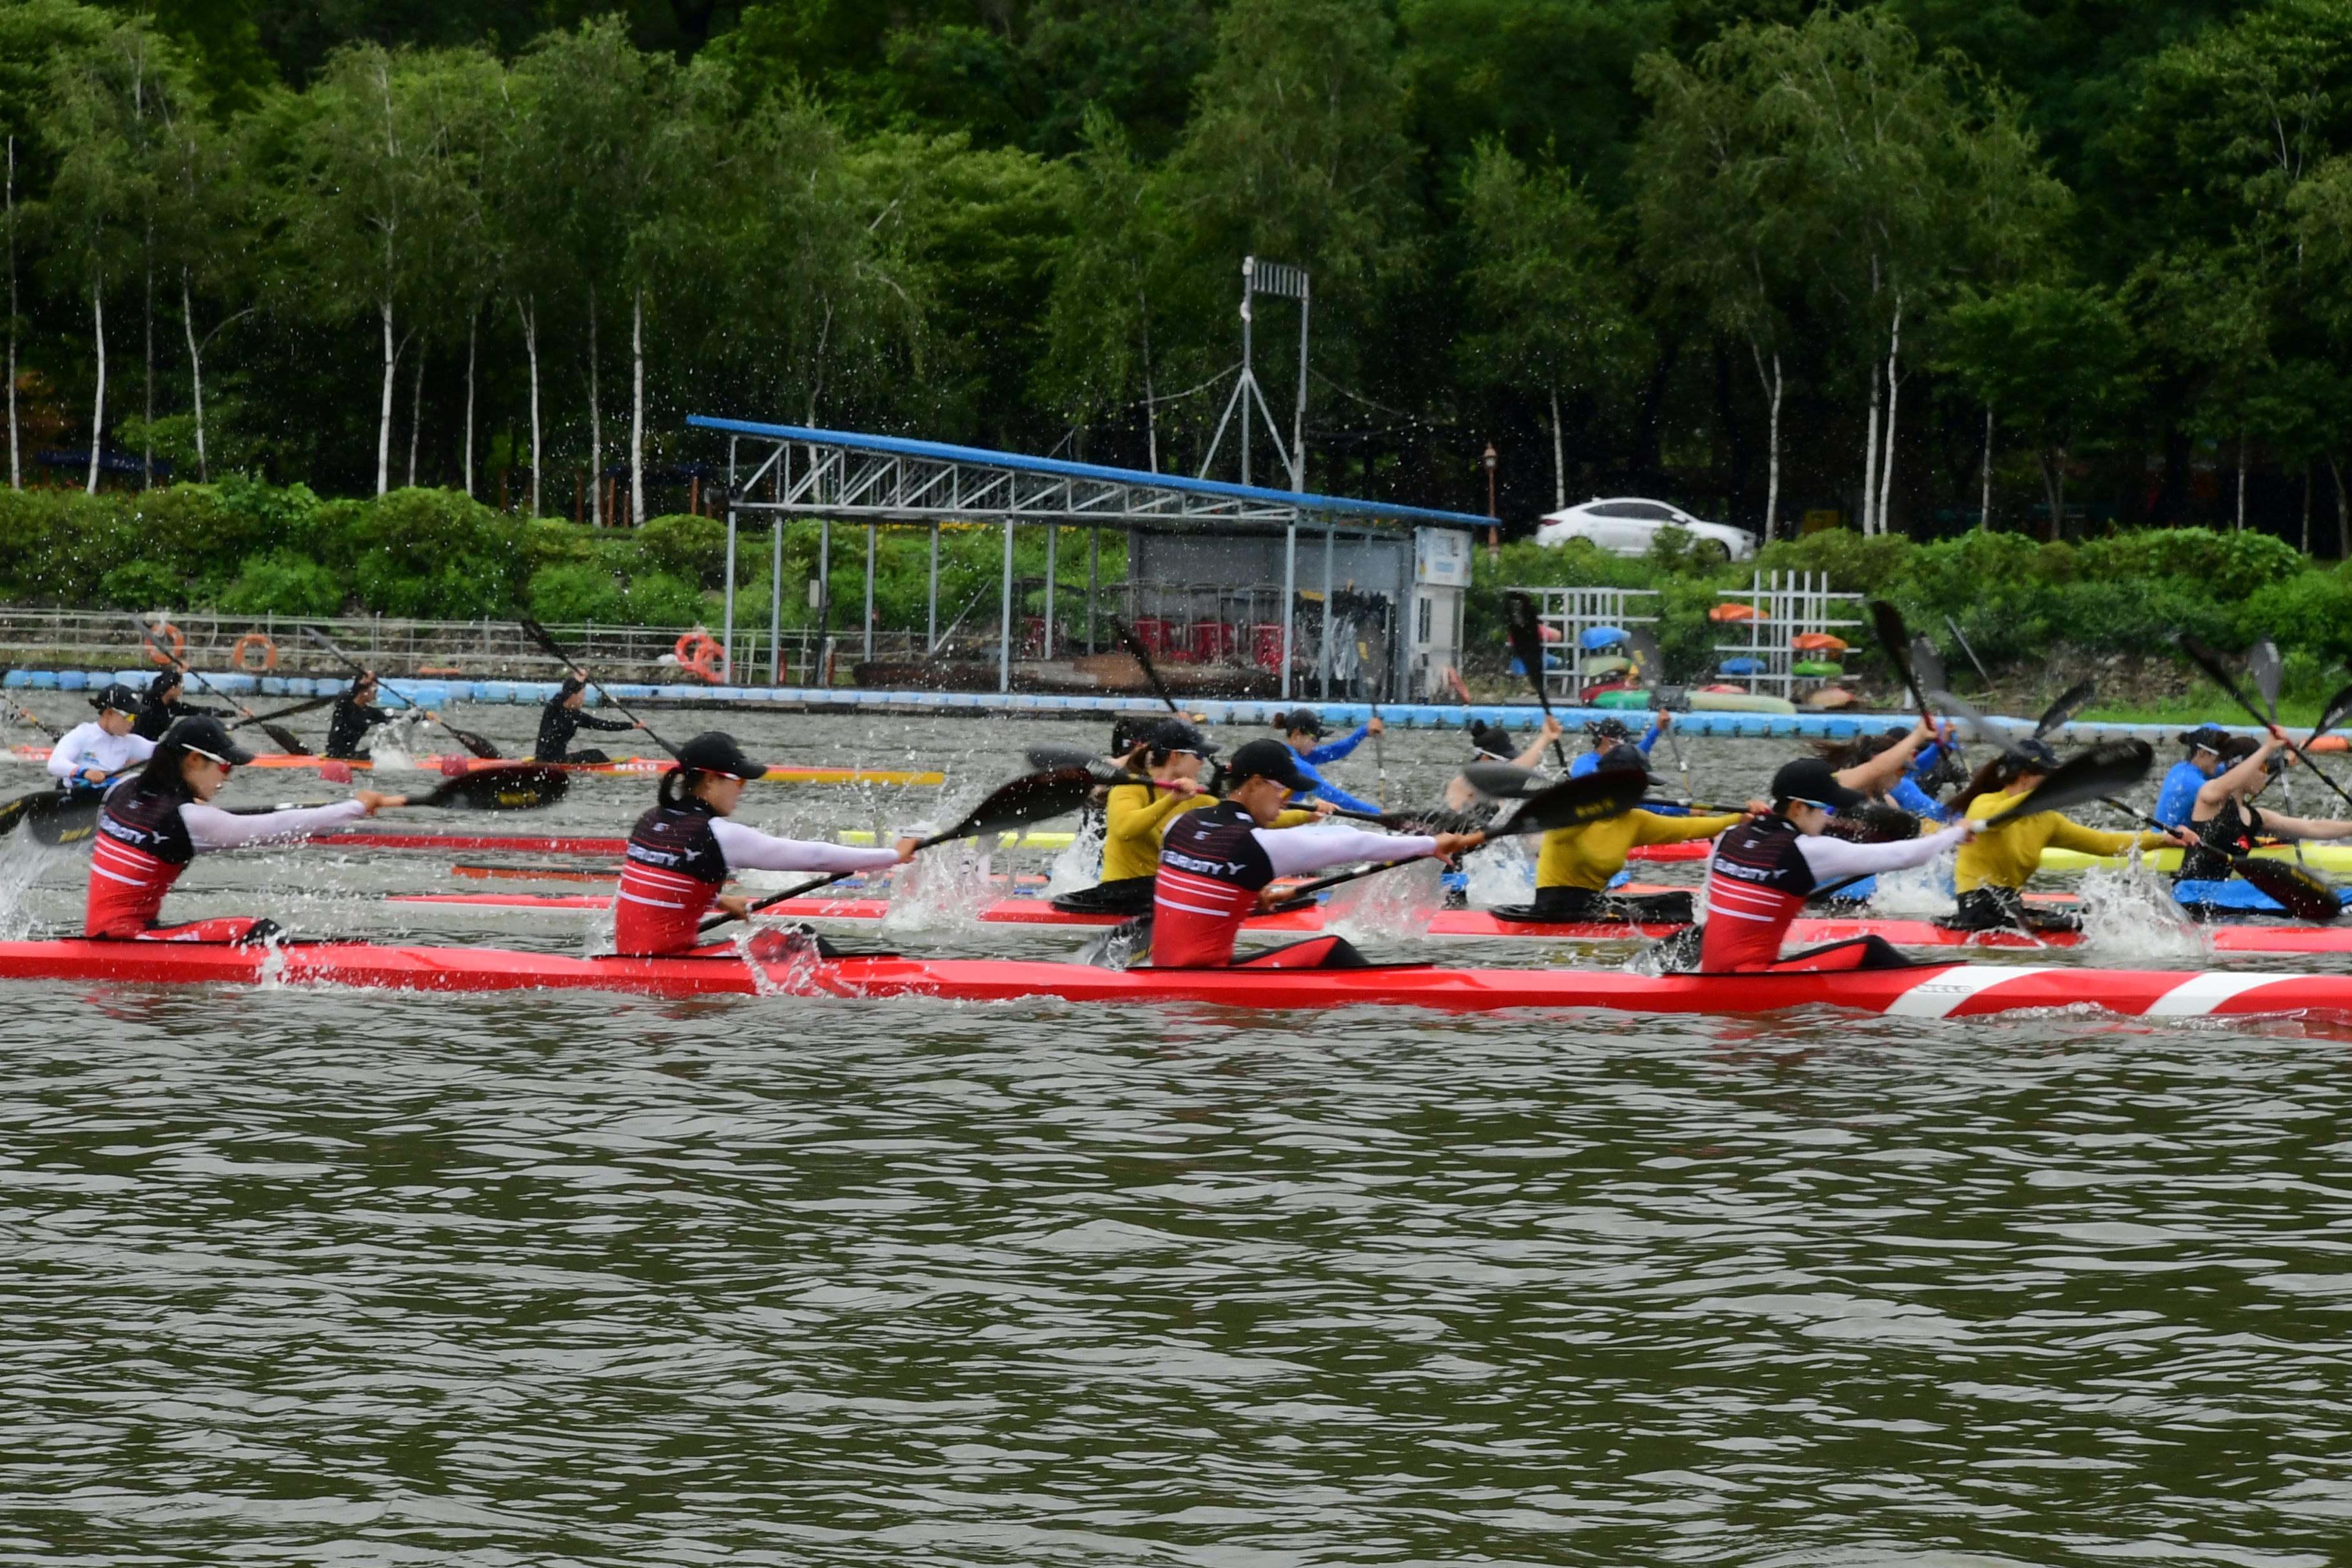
(1494, 538)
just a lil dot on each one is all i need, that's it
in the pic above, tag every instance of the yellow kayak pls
(2330, 857)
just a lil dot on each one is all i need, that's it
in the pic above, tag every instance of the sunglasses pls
(1821, 806)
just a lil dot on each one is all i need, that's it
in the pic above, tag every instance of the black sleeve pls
(592, 722)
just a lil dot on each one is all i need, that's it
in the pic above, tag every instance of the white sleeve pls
(210, 827)
(1297, 851)
(749, 849)
(1834, 858)
(62, 754)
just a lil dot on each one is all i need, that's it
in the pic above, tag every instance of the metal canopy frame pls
(793, 470)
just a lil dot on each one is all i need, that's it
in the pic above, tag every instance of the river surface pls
(328, 1276)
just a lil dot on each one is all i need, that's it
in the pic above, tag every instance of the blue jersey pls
(2179, 797)
(1323, 788)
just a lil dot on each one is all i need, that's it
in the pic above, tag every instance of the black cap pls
(2204, 738)
(1130, 731)
(1178, 735)
(205, 737)
(715, 752)
(2038, 757)
(1811, 779)
(571, 683)
(116, 699)
(1268, 760)
(1492, 740)
(364, 678)
(1609, 729)
(1304, 722)
(162, 681)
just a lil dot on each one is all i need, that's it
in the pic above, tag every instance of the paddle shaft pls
(285, 738)
(1134, 646)
(1982, 674)
(470, 740)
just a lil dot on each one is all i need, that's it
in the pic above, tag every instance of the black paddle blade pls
(522, 787)
(1502, 781)
(16, 810)
(2109, 768)
(60, 819)
(284, 739)
(2269, 672)
(1525, 636)
(1048, 759)
(2298, 891)
(2205, 660)
(2338, 708)
(1033, 797)
(1134, 646)
(1927, 664)
(2072, 700)
(1894, 641)
(472, 742)
(1612, 791)
(1948, 704)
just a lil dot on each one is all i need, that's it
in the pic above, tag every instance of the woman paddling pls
(353, 715)
(681, 852)
(1577, 863)
(1301, 731)
(1764, 869)
(154, 825)
(564, 716)
(87, 757)
(1216, 865)
(1993, 867)
(2224, 818)
(161, 705)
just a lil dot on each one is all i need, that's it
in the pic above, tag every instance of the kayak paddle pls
(2294, 889)
(264, 719)
(1134, 646)
(2070, 701)
(1894, 641)
(1982, 674)
(466, 738)
(1650, 664)
(1033, 797)
(1502, 781)
(2205, 660)
(284, 740)
(29, 716)
(518, 786)
(546, 640)
(2338, 708)
(2090, 774)
(1527, 646)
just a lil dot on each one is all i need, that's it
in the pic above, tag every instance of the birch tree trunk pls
(1870, 459)
(2343, 510)
(637, 408)
(2306, 506)
(529, 310)
(98, 401)
(1894, 395)
(473, 328)
(383, 408)
(2053, 489)
(147, 435)
(1559, 458)
(16, 463)
(1772, 441)
(195, 376)
(1984, 508)
(2242, 478)
(596, 422)
(415, 414)
(1150, 409)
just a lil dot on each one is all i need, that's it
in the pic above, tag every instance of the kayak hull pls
(1934, 991)
(1480, 924)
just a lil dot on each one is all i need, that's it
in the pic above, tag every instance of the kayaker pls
(354, 714)
(1301, 730)
(564, 716)
(157, 822)
(682, 850)
(1492, 744)
(1993, 868)
(1175, 757)
(1604, 735)
(2224, 818)
(2177, 800)
(1765, 869)
(1576, 864)
(1216, 865)
(90, 755)
(161, 705)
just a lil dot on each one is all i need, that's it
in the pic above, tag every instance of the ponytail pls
(1994, 775)
(672, 785)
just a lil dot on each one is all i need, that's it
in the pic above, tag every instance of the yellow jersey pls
(1587, 856)
(1135, 818)
(2008, 856)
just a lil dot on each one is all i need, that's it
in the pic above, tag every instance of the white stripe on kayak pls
(1936, 998)
(2201, 992)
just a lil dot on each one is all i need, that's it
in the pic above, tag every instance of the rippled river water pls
(326, 1277)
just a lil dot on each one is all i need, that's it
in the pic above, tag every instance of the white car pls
(1625, 525)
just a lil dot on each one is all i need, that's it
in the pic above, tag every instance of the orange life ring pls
(700, 651)
(253, 640)
(164, 632)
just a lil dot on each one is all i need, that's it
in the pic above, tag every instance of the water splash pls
(2130, 914)
(1079, 865)
(1921, 891)
(943, 888)
(20, 868)
(1503, 873)
(1388, 906)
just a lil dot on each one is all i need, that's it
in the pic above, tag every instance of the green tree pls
(1544, 285)
(1108, 279)
(2053, 359)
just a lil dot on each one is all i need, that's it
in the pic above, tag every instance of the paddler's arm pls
(210, 827)
(1832, 859)
(2280, 827)
(2230, 780)
(1298, 850)
(589, 720)
(1649, 828)
(1166, 802)
(1334, 751)
(1878, 775)
(1534, 755)
(1297, 817)
(2068, 834)
(748, 849)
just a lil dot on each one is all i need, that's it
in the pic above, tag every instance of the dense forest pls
(2060, 264)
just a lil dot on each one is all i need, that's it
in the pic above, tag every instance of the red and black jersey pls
(1211, 869)
(1756, 884)
(139, 850)
(673, 872)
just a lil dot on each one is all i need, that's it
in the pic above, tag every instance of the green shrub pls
(682, 545)
(436, 554)
(143, 585)
(283, 584)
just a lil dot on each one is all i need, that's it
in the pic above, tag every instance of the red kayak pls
(2272, 939)
(1932, 991)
